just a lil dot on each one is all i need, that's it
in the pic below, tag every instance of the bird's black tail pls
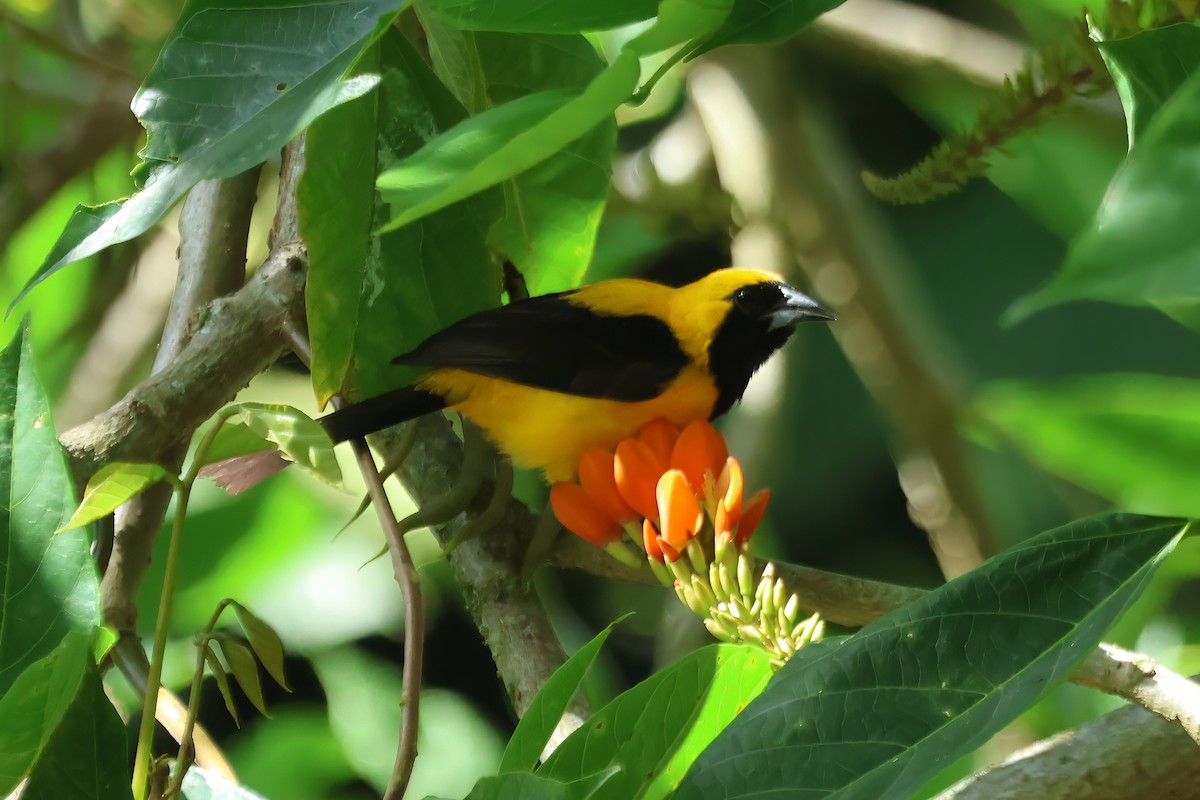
(377, 413)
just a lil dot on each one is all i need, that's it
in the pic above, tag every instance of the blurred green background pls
(810, 428)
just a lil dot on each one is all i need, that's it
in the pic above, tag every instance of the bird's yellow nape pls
(721, 283)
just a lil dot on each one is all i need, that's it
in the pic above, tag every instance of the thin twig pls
(409, 581)
(1141, 680)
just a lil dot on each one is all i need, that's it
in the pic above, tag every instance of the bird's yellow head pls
(736, 318)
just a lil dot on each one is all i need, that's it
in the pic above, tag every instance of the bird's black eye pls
(758, 300)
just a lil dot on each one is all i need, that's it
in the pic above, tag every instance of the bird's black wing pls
(550, 343)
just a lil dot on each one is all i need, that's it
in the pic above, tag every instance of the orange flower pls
(598, 478)
(729, 488)
(699, 450)
(650, 540)
(579, 514)
(660, 436)
(752, 514)
(679, 514)
(637, 470)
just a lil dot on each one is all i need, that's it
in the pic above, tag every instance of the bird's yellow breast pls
(546, 430)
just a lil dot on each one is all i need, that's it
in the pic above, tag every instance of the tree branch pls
(1141, 680)
(236, 338)
(213, 228)
(1128, 753)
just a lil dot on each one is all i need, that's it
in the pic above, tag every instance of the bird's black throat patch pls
(742, 345)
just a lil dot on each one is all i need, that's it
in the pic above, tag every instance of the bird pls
(551, 376)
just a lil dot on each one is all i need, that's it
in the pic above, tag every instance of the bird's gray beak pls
(798, 307)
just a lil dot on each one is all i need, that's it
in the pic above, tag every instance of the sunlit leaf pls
(534, 730)
(878, 713)
(1142, 248)
(87, 757)
(264, 641)
(111, 487)
(232, 85)
(1148, 67)
(245, 670)
(47, 582)
(35, 704)
(654, 730)
(505, 140)
(222, 679)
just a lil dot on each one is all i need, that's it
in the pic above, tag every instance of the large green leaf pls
(880, 712)
(538, 16)
(1134, 439)
(233, 83)
(534, 730)
(654, 730)
(334, 201)
(501, 142)
(427, 276)
(1148, 67)
(87, 758)
(48, 583)
(1143, 247)
(36, 703)
(765, 21)
(552, 210)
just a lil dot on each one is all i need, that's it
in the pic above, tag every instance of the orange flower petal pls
(752, 514)
(578, 514)
(596, 475)
(660, 436)
(729, 491)
(721, 524)
(679, 512)
(651, 541)
(637, 470)
(700, 449)
(669, 553)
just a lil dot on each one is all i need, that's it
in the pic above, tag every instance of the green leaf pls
(334, 201)
(35, 704)
(535, 16)
(245, 670)
(232, 85)
(1134, 439)
(765, 22)
(87, 758)
(48, 583)
(521, 785)
(503, 141)
(110, 487)
(1142, 248)
(421, 279)
(298, 437)
(878, 713)
(1149, 67)
(203, 784)
(264, 641)
(552, 210)
(222, 678)
(534, 730)
(654, 730)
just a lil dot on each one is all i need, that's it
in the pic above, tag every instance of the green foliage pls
(48, 582)
(764, 22)
(111, 486)
(536, 726)
(884, 710)
(201, 784)
(298, 437)
(1140, 248)
(87, 756)
(280, 67)
(532, 16)
(518, 785)
(1148, 68)
(1130, 438)
(655, 730)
